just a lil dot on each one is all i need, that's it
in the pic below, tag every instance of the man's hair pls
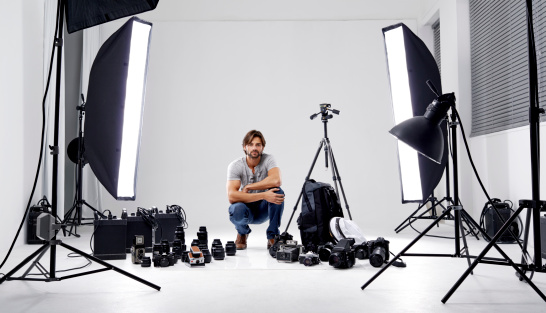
(250, 135)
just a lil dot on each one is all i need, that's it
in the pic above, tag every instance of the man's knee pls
(238, 211)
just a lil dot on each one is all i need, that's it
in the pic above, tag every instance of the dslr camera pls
(309, 259)
(289, 251)
(138, 250)
(279, 240)
(375, 250)
(378, 251)
(343, 256)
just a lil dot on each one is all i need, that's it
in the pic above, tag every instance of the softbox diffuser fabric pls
(421, 66)
(105, 110)
(81, 14)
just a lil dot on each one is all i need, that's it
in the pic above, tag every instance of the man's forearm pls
(240, 196)
(266, 183)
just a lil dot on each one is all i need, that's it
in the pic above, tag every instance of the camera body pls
(343, 256)
(279, 240)
(138, 249)
(195, 257)
(378, 251)
(309, 259)
(164, 259)
(289, 251)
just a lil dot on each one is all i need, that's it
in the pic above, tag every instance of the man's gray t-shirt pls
(239, 170)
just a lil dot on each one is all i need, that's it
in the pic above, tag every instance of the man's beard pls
(249, 154)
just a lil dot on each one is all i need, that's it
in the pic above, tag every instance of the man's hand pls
(272, 197)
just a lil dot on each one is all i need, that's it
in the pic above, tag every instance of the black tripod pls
(73, 216)
(328, 157)
(52, 244)
(434, 203)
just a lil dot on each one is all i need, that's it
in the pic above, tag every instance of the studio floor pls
(252, 281)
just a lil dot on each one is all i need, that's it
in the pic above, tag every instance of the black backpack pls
(320, 204)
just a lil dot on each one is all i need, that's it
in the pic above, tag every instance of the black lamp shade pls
(423, 135)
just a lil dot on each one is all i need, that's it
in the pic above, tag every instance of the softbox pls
(82, 14)
(115, 105)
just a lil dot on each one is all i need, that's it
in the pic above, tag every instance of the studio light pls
(82, 14)
(115, 103)
(410, 64)
(114, 117)
(423, 133)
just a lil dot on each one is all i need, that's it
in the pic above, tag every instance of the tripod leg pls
(405, 249)
(337, 177)
(25, 261)
(461, 216)
(484, 252)
(109, 266)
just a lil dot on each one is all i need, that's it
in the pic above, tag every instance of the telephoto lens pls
(179, 234)
(203, 237)
(166, 247)
(231, 249)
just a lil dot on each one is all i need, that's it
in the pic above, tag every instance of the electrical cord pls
(524, 251)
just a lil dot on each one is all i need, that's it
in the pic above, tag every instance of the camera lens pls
(216, 242)
(207, 255)
(218, 252)
(179, 234)
(203, 236)
(335, 260)
(230, 248)
(146, 261)
(377, 258)
(324, 254)
(166, 247)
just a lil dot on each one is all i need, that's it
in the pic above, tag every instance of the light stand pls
(417, 132)
(52, 244)
(535, 205)
(80, 161)
(328, 157)
(434, 204)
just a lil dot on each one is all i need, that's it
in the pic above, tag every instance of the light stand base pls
(49, 277)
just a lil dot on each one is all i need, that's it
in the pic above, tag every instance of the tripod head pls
(324, 108)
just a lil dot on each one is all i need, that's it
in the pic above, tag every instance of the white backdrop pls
(211, 82)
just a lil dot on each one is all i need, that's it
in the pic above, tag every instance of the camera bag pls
(320, 204)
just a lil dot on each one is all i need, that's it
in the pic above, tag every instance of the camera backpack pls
(320, 204)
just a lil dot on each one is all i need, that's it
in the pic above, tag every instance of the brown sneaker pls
(240, 242)
(270, 242)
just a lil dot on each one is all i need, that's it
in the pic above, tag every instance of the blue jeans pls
(242, 214)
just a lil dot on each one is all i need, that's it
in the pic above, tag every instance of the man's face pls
(255, 148)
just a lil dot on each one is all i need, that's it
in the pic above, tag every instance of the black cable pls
(454, 110)
(41, 142)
